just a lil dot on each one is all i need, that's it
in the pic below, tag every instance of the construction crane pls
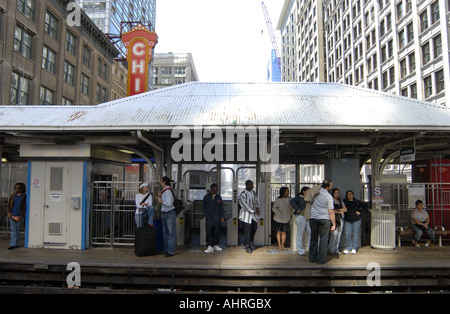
(272, 34)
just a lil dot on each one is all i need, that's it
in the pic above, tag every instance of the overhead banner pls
(139, 43)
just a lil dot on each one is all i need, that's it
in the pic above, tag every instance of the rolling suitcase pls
(159, 235)
(145, 241)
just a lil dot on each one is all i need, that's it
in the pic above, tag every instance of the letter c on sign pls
(141, 46)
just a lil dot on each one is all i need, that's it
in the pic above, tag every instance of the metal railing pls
(435, 196)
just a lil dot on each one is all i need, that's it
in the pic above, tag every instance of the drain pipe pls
(144, 139)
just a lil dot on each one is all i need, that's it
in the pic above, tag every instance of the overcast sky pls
(228, 39)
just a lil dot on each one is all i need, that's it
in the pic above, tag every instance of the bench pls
(438, 231)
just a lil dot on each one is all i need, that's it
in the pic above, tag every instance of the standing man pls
(213, 211)
(249, 214)
(322, 222)
(169, 217)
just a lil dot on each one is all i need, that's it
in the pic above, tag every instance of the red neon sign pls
(139, 43)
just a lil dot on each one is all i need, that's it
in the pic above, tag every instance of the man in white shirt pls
(322, 221)
(169, 217)
(249, 214)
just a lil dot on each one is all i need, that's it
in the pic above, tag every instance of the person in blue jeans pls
(17, 207)
(169, 217)
(301, 216)
(352, 226)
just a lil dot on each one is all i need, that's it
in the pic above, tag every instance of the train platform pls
(119, 270)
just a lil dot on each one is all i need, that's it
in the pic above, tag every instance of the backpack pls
(179, 206)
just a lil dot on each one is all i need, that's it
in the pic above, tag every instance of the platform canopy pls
(316, 120)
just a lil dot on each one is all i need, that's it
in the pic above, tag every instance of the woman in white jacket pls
(144, 207)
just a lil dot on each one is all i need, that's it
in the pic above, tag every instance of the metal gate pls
(113, 208)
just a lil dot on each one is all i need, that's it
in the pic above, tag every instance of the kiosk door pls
(55, 202)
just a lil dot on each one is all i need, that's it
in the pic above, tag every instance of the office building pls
(173, 69)
(302, 50)
(400, 47)
(44, 61)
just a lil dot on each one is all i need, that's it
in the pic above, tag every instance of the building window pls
(385, 80)
(434, 12)
(391, 75)
(45, 96)
(383, 53)
(67, 102)
(437, 46)
(408, 6)
(399, 10)
(71, 42)
(401, 39)
(69, 73)
(413, 90)
(51, 25)
(404, 92)
(439, 78)
(410, 32)
(19, 89)
(23, 42)
(427, 86)
(412, 62)
(48, 59)
(86, 56)
(102, 69)
(84, 84)
(403, 71)
(424, 21)
(426, 56)
(166, 70)
(27, 8)
(180, 70)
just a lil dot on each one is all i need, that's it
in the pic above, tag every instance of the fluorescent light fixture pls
(126, 151)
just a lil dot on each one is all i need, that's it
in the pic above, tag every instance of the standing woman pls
(301, 215)
(282, 214)
(355, 209)
(17, 207)
(144, 207)
(339, 210)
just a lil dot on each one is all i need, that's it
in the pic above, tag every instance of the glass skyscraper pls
(107, 14)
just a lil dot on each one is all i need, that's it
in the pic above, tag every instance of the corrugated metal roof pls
(288, 105)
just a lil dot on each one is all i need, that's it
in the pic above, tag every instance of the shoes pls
(248, 249)
(345, 251)
(168, 255)
(211, 249)
(353, 251)
(416, 244)
(13, 247)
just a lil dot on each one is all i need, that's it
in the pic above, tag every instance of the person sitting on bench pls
(420, 223)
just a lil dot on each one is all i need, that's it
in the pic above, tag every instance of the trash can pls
(382, 232)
